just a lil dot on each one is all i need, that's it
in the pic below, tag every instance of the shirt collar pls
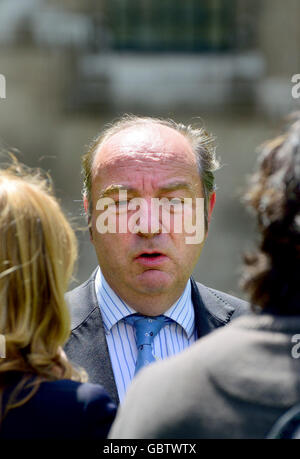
(114, 309)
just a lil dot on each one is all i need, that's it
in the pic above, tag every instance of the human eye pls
(122, 205)
(172, 204)
(176, 201)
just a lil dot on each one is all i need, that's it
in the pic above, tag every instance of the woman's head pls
(37, 254)
(273, 273)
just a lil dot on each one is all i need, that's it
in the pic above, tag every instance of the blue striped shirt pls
(120, 336)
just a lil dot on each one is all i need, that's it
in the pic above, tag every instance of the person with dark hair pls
(236, 382)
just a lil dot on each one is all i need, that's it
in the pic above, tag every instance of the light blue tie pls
(146, 329)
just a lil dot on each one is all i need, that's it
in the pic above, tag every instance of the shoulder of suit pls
(224, 302)
(85, 392)
(80, 291)
(79, 399)
(82, 301)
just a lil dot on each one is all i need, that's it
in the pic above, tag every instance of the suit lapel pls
(211, 311)
(202, 323)
(87, 346)
(98, 347)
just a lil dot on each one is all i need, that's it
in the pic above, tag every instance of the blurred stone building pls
(72, 66)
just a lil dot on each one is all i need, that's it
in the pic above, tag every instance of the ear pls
(212, 202)
(86, 209)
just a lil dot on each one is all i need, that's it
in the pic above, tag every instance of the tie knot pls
(146, 327)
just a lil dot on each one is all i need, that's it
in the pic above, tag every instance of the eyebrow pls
(112, 189)
(177, 186)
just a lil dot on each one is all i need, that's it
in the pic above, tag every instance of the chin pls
(154, 281)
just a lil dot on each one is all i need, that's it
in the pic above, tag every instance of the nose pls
(147, 221)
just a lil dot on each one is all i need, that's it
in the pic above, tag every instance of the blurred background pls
(72, 66)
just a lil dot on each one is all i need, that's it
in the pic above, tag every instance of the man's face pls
(149, 270)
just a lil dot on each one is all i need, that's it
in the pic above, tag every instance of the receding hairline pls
(135, 125)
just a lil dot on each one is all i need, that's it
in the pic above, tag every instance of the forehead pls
(144, 144)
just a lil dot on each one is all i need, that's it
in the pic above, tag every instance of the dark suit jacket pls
(87, 345)
(60, 410)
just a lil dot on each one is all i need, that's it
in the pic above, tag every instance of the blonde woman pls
(41, 394)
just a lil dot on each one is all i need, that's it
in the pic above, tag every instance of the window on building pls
(172, 25)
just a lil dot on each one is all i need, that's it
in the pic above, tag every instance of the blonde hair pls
(38, 249)
(201, 141)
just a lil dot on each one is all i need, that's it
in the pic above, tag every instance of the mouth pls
(151, 258)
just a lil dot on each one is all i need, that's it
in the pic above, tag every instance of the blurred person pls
(41, 395)
(238, 381)
(141, 304)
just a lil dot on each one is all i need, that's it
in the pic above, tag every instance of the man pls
(147, 267)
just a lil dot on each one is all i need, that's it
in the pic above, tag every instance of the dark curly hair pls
(272, 274)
